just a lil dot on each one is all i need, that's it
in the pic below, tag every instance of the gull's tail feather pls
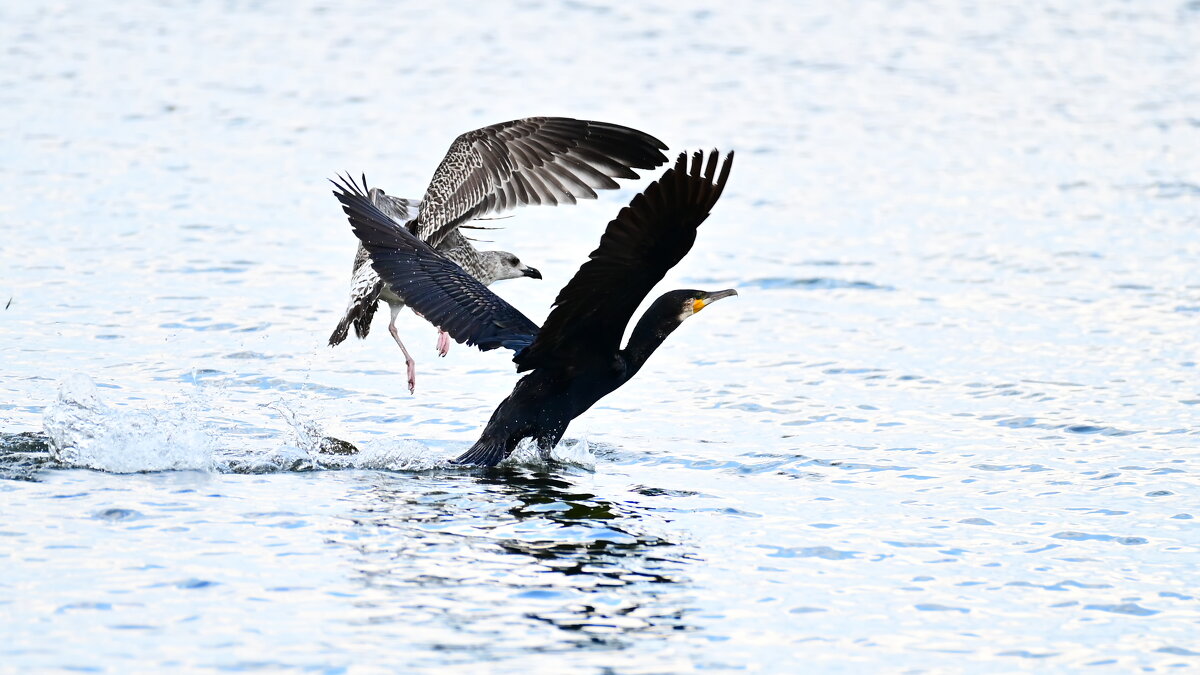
(358, 315)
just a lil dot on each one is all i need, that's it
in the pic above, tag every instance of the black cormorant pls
(537, 160)
(576, 357)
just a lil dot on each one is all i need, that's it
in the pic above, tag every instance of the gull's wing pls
(401, 210)
(365, 285)
(644, 241)
(537, 160)
(441, 291)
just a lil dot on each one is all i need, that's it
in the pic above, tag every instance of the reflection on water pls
(581, 563)
(530, 541)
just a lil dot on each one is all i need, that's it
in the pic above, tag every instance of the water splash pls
(571, 452)
(401, 454)
(87, 433)
(312, 449)
(84, 432)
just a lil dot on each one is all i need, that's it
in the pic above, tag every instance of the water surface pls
(950, 423)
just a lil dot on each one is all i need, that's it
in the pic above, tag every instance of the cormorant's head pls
(664, 315)
(692, 301)
(509, 266)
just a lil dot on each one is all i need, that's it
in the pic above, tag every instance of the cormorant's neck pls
(650, 332)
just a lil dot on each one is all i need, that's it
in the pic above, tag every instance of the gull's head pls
(505, 265)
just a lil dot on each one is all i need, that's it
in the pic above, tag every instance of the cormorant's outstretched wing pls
(537, 160)
(646, 239)
(440, 290)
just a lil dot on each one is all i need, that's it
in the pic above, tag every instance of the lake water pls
(951, 423)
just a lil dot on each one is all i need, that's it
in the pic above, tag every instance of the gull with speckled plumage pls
(536, 160)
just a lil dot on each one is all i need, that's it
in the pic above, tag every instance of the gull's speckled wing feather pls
(639, 246)
(444, 293)
(537, 160)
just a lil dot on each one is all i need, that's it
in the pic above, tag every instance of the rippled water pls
(950, 424)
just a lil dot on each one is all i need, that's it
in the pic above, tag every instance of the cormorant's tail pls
(487, 451)
(360, 316)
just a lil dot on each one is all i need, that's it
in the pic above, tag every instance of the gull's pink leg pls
(443, 343)
(408, 360)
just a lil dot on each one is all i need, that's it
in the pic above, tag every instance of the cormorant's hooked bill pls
(707, 299)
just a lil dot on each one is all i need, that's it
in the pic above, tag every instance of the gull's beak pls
(531, 272)
(709, 298)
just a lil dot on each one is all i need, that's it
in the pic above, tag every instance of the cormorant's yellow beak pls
(709, 298)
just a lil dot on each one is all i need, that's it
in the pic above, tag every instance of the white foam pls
(312, 449)
(85, 432)
(576, 453)
(402, 454)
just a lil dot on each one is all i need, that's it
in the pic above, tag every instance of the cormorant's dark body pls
(575, 357)
(545, 401)
(540, 407)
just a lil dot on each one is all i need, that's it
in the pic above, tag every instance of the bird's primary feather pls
(536, 160)
(638, 248)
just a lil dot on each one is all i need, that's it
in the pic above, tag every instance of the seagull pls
(575, 358)
(535, 160)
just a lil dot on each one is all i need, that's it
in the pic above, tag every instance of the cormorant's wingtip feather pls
(710, 167)
(724, 175)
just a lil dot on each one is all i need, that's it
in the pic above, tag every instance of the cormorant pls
(537, 160)
(576, 357)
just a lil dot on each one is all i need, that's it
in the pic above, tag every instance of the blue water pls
(949, 425)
